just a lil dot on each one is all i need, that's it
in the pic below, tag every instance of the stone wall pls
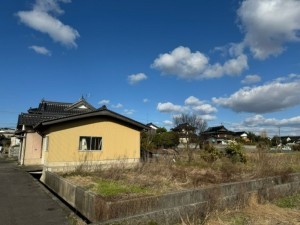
(172, 207)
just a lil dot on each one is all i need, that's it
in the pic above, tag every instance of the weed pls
(235, 152)
(292, 201)
(108, 188)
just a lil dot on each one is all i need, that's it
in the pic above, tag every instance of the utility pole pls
(280, 143)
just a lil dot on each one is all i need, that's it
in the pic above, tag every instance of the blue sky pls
(233, 62)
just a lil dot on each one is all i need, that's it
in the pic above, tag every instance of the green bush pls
(235, 152)
(211, 154)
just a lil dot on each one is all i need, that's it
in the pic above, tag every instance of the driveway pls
(24, 201)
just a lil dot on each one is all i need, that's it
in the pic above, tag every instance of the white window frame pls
(86, 142)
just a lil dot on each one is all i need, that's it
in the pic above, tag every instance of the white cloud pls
(129, 111)
(136, 78)
(259, 120)
(167, 123)
(117, 106)
(183, 63)
(269, 24)
(208, 117)
(199, 106)
(251, 79)
(191, 105)
(169, 107)
(192, 101)
(271, 97)
(103, 102)
(40, 50)
(43, 19)
(205, 109)
(145, 100)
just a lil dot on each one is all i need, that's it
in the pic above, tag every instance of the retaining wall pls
(172, 207)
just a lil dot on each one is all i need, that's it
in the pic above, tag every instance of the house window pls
(90, 143)
(45, 143)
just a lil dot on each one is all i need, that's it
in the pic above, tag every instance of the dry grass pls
(256, 214)
(166, 175)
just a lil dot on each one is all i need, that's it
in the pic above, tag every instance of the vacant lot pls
(166, 174)
(174, 173)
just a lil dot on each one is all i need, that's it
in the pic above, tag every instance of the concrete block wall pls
(172, 207)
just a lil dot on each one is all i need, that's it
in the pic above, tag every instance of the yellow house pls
(91, 138)
(30, 140)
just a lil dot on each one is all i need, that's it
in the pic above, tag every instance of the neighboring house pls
(217, 135)
(7, 132)
(152, 128)
(31, 141)
(60, 135)
(290, 139)
(7, 139)
(91, 138)
(185, 132)
(241, 134)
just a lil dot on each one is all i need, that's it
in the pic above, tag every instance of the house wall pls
(119, 142)
(33, 148)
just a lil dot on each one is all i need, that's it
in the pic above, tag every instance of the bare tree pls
(189, 128)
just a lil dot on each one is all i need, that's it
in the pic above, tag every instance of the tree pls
(169, 139)
(161, 138)
(189, 127)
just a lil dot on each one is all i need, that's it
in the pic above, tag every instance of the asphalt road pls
(23, 201)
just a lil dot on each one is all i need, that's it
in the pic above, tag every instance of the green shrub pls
(292, 201)
(211, 154)
(235, 152)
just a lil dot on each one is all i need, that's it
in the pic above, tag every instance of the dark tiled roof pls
(216, 129)
(48, 110)
(102, 112)
(28, 119)
(61, 108)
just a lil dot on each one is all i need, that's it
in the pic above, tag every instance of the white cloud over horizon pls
(191, 105)
(136, 78)
(268, 25)
(40, 50)
(259, 120)
(275, 96)
(43, 18)
(185, 64)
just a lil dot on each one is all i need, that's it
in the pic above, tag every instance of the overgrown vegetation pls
(235, 152)
(292, 202)
(109, 188)
(283, 211)
(164, 175)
